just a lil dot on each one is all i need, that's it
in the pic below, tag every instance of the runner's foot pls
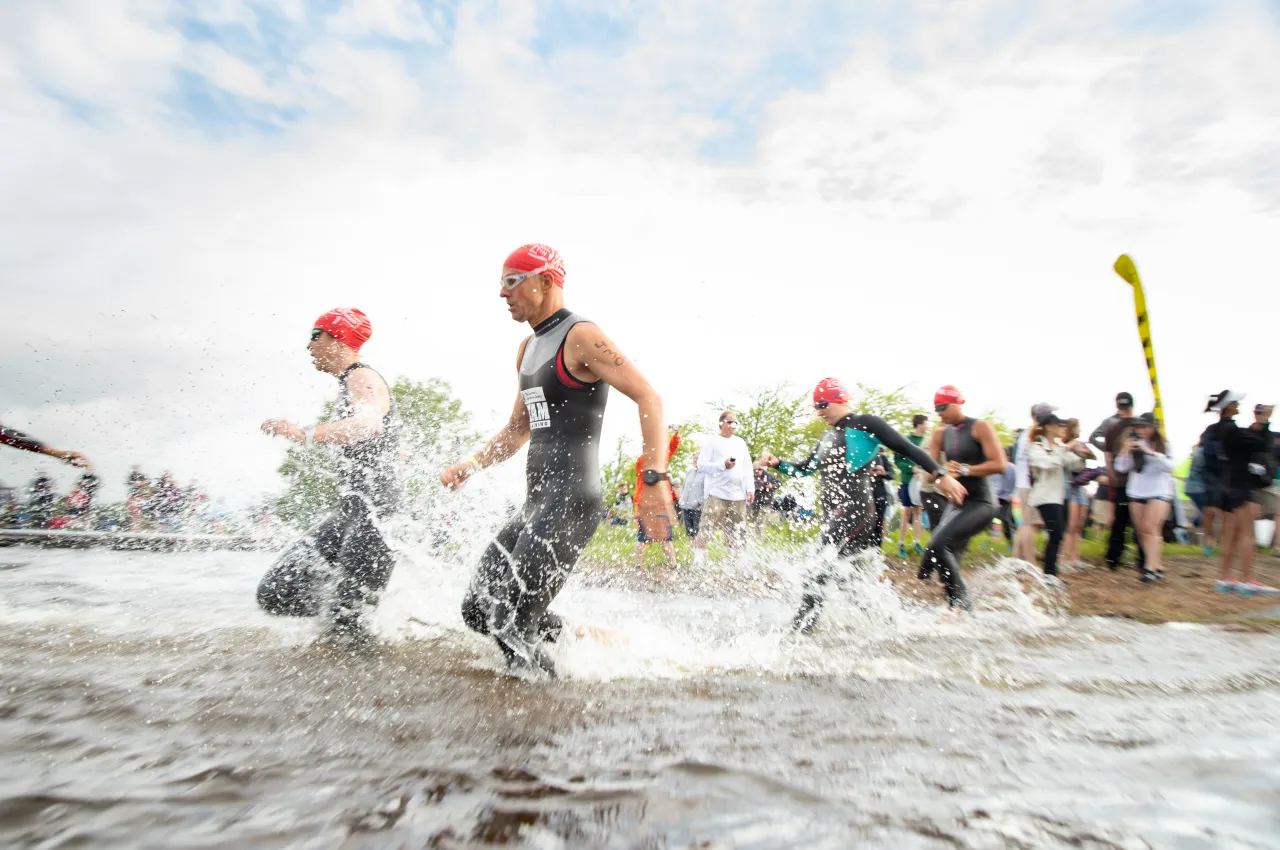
(1256, 588)
(1224, 585)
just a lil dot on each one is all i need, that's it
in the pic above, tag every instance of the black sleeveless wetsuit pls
(847, 496)
(347, 543)
(960, 523)
(529, 559)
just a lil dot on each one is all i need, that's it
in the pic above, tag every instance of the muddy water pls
(144, 702)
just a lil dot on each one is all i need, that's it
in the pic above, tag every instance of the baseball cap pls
(1050, 419)
(1220, 401)
(1039, 411)
(1124, 400)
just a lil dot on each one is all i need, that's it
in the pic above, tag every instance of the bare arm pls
(370, 401)
(935, 445)
(995, 462)
(19, 440)
(588, 350)
(501, 446)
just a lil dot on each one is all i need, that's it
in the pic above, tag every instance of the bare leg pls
(669, 549)
(1248, 542)
(639, 554)
(1151, 527)
(1207, 523)
(1230, 537)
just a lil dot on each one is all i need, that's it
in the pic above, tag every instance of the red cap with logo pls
(947, 395)
(831, 391)
(347, 325)
(537, 258)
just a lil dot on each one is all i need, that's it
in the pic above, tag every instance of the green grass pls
(616, 545)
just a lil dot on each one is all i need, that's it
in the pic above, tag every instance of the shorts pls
(904, 496)
(1168, 500)
(1104, 493)
(692, 520)
(1232, 499)
(726, 515)
(1267, 499)
(1077, 495)
(1030, 516)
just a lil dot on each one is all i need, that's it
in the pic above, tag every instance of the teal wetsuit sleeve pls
(808, 466)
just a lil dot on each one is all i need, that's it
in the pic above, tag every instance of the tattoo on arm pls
(609, 353)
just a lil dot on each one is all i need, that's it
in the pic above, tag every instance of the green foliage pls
(776, 420)
(434, 426)
(893, 406)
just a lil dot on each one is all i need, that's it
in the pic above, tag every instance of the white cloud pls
(947, 220)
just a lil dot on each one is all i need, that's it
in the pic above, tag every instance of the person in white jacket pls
(1051, 461)
(729, 487)
(1145, 456)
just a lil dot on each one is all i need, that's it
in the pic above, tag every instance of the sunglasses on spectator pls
(315, 334)
(732, 423)
(511, 281)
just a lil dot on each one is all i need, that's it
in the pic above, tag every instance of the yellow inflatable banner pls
(1127, 270)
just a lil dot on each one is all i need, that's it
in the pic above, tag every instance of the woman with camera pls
(1051, 460)
(1145, 457)
(1238, 448)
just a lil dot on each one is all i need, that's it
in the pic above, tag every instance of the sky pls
(896, 193)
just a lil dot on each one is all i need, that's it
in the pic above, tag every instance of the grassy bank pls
(1186, 595)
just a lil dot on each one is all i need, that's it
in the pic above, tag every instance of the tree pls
(433, 427)
(776, 420)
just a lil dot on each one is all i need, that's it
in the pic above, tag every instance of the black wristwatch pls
(653, 476)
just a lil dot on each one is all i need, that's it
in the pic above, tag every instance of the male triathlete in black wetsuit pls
(844, 455)
(565, 370)
(347, 544)
(19, 440)
(973, 453)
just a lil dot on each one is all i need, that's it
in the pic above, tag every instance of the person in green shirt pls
(906, 474)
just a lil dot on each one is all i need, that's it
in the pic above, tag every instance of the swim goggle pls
(511, 281)
(315, 334)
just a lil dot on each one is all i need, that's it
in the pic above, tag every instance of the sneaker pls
(919, 550)
(1148, 576)
(1207, 551)
(902, 551)
(1223, 585)
(1256, 588)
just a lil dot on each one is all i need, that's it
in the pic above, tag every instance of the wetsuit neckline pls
(342, 376)
(551, 321)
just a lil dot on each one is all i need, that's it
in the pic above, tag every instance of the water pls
(144, 702)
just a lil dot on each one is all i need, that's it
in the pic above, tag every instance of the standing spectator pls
(911, 501)
(1108, 437)
(619, 513)
(1077, 498)
(41, 502)
(1197, 488)
(1265, 494)
(138, 500)
(1006, 484)
(1051, 461)
(1144, 458)
(730, 488)
(80, 501)
(1024, 542)
(881, 481)
(643, 541)
(692, 496)
(1238, 447)
(767, 485)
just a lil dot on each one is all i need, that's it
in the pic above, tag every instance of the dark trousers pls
(1007, 525)
(1120, 523)
(344, 551)
(1055, 523)
(882, 505)
(934, 505)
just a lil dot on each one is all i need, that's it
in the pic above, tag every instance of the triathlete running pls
(346, 546)
(844, 456)
(20, 441)
(564, 372)
(973, 453)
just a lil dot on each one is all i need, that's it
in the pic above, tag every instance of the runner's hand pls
(953, 468)
(456, 475)
(76, 459)
(951, 488)
(654, 511)
(283, 428)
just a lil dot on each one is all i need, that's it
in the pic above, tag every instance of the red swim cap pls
(535, 257)
(947, 395)
(831, 391)
(347, 325)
